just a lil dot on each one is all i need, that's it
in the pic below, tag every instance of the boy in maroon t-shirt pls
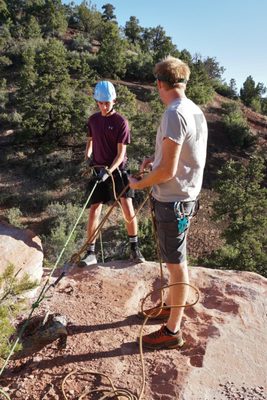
(108, 136)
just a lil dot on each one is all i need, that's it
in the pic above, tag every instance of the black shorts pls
(104, 191)
(172, 243)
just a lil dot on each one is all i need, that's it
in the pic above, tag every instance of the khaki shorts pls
(172, 243)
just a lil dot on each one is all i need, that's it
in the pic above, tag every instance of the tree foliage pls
(48, 99)
(108, 13)
(264, 105)
(63, 217)
(86, 18)
(133, 30)
(47, 16)
(144, 128)
(111, 60)
(213, 68)
(11, 288)
(199, 87)
(242, 204)
(139, 66)
(154, 40)
(126, 102)
(226, 90)
(251, 93)
(236, 125)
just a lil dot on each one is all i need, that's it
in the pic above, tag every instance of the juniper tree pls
(50, 102)
(242, 205)
(111, 61)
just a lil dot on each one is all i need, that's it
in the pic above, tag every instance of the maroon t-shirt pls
(106, 133)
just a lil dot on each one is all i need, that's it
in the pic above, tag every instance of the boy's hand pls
(102, 175)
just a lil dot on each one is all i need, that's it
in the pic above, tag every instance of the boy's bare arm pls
(89, 148)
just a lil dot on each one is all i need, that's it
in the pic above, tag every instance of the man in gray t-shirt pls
(176, 178)
(184, 124)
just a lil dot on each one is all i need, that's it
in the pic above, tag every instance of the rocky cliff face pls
(223, 357)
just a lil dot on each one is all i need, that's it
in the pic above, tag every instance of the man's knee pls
(179, 267)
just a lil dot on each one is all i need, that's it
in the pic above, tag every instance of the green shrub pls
(126, 102)
(11, 303)
(236, 126)
(256, 105)
(63, 217)
(147, 239)
(14, 215)
(144, 128)
(117, 247)
(224, 90)
(242, 205)
(140, 67)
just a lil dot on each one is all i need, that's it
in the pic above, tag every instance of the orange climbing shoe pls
(162, 339)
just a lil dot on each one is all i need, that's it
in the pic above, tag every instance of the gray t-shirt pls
(185, 124)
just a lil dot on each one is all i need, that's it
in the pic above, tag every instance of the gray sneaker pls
(137, 256)
(89, 259)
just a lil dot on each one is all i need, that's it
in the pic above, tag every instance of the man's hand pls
(102, 175)
(146, 164)
(133, 182)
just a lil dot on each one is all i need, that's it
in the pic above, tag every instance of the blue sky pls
(232, 31)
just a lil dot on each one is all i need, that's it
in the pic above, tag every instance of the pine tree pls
(133, 30)
(108, 13)
(233, 89)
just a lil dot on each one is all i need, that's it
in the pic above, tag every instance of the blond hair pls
(172, 71)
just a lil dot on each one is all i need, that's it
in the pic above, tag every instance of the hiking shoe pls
(88, 260)
(162, 339)
(156, 313)
(137, 256)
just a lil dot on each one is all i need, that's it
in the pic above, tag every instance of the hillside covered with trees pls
(51, 56)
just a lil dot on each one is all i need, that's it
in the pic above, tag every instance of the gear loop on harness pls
(183, 217)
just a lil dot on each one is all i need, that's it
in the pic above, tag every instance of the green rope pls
(102, 248)
(5, 394)
(46, 285)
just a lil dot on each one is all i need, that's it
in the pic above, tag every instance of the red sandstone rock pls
(223, 358)
(23, 249)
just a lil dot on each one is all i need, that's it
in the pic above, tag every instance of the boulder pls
(23, 249)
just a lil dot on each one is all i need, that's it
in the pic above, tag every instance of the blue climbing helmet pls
(104, 91)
